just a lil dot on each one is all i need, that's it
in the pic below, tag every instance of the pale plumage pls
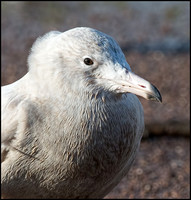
(70, 128)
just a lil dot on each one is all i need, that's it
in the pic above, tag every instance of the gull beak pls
(130, 82)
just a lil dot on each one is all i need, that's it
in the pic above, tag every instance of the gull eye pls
(88, 61)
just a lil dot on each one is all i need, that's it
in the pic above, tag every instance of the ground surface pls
(161, 170)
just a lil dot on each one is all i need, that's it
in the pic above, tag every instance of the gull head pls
(86, 59)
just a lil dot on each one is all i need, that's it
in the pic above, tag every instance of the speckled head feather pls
(59, 56)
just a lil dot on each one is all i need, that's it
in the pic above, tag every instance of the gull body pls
(72, 126)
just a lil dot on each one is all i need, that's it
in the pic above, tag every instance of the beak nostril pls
(142, 86)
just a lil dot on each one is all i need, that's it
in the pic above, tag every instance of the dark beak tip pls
(158, 96)
(160, 99)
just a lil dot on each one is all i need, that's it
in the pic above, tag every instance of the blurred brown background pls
(155, 38)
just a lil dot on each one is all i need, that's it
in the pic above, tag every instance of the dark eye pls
(88, 61)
